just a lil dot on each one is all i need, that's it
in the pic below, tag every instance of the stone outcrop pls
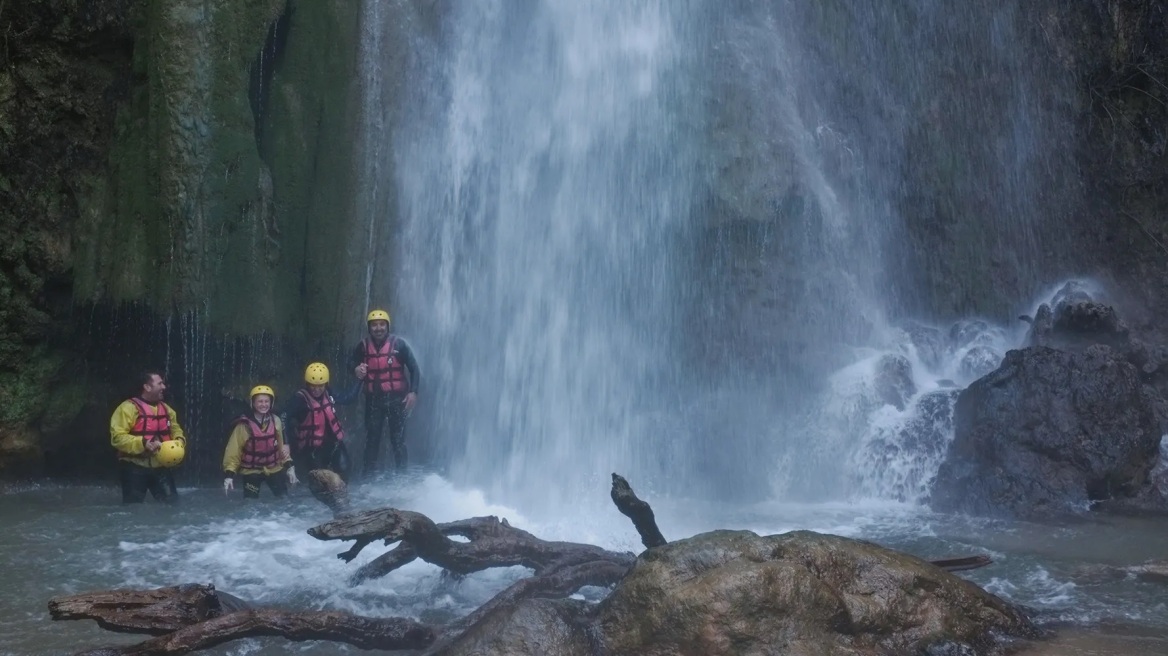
(1072, 421)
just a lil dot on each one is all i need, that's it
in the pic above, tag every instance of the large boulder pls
(1051, 431)
(735, 593)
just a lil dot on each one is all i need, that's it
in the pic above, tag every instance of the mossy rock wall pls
(191, 161)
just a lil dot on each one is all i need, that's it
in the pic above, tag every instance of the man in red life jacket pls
(256, 450)
(138, 428)
(391, 377)
(319, 441)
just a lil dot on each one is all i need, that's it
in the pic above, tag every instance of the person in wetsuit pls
(390, 377)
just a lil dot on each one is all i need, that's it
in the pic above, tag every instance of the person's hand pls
(409, 401)
(152, 446)
(292, 480)
(228, 485)
(361, 370)
(285, 452)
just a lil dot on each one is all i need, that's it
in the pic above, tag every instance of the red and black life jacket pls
(386, 374)
(153, 421)
(319, 421)
(262, 448)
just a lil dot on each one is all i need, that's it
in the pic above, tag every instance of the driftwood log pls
(191, 617)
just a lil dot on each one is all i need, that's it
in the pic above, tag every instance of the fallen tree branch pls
(356, 630)
(154, 612)
(637, 510)
(493, 543)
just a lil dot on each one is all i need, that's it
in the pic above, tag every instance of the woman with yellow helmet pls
(256, 451)
(319, 441)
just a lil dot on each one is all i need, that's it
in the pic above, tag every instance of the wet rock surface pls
(735, 592)
(1073, 421)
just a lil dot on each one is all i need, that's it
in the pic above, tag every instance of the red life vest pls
(319, 421)
(262, 448)
(153, 421)
(386, 374)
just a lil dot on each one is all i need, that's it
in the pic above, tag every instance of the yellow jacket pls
(234, 452)
(132, 448)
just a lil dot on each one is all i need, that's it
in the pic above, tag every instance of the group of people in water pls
(145, 432)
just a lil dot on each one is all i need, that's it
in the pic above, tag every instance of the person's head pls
(261, 399)
(151, 386)
(316, 378)
(378, 321)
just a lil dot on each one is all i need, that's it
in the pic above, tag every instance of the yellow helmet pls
(316, 374)
(170, 453)
(262, 389)
(377, 315)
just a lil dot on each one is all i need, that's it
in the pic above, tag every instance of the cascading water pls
(655, 238)
(546, 162)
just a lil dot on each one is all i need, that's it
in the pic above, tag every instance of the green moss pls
(24, 397)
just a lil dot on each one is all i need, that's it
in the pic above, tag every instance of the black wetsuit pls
(388, 409)
(332, 453)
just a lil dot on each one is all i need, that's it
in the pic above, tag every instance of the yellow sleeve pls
(234, 451)
(176, 431)
(121, 422)
(280, 439)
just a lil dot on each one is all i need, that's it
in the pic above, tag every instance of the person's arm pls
(411, 363)
(349, 396)
(357, 358)
(285, 458)
(123, 419)
(234, 451)
(176, 431)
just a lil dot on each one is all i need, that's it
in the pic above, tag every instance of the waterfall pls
(546, 161)
(666, 238)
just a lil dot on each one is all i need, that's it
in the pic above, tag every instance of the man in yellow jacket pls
(138, 429)
(256, 450)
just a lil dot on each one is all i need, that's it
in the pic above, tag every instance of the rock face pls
(1051, 431)
(735, 593)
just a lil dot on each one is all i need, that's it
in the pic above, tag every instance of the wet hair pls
(146, 377)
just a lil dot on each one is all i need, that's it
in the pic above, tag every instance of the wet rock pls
(900, 462)
(968, 332)
(979, 361)
(894, 382)
(1051, 431)
(20, 450)
(1084, 323)
(734, 592)
(1040, 326)
(536, 627)
(929, 343)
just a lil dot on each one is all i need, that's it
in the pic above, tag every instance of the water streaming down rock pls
(645, 236)
(876, 165)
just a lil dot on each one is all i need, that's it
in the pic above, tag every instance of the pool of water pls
(63, 540)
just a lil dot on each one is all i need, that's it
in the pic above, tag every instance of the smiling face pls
(316, 391)
(261, 403)
(378, 329)
(154, 390)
